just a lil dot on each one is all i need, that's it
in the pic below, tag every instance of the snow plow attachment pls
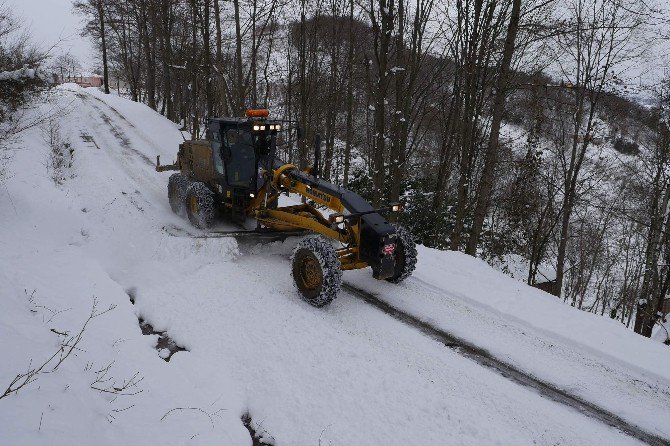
(163, 168)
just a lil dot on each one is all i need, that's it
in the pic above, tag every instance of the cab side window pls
(217, 153)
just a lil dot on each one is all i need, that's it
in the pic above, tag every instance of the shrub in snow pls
(60, 156)
(626, 147)
(17, 89)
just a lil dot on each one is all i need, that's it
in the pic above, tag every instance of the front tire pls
(177, 189)
(316, 271)
(405, 255)
(200, 206)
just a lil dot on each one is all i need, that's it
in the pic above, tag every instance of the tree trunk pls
(254, 55)
(302, 61)
(382, 42)
(239, 85)
(647, 304)
(474, 50)
(331, 111)
(399, 143)
(570, 181)
(217, 24)
(166, 57)
(207, 59)
(150, 70)
(502, 84)
(350, 99)
(195, 127)
(103, 38)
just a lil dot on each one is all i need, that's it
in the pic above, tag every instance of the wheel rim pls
(194, 205)
(310, 273)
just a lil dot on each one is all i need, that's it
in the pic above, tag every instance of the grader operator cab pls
(234, 174)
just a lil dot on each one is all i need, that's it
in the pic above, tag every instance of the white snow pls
(21, 73)
(346, 374)
(592, 356)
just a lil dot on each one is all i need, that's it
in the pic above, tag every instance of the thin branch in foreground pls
(210, 416)
(65, 349)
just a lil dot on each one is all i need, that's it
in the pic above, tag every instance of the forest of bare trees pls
(499, 124)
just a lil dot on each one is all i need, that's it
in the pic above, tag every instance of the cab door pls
(240, 158)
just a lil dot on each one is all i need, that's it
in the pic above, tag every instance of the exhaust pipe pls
(317, 156)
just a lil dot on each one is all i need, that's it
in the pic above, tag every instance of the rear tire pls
(405, 255)
(316, 271)
(200, 206)
(177, 188)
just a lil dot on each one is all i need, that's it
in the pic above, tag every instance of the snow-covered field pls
(347, 374)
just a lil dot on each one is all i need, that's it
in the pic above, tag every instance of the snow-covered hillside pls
(347, 374)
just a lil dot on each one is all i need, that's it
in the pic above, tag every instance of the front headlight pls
(336, 218)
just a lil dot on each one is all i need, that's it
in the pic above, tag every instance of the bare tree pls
(491, 157)
(656, 279)
(94, 10)
(601, 36)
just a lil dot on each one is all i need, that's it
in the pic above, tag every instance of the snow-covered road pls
(343, 375)
(483, 357)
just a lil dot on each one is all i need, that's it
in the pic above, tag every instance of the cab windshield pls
(241, 166)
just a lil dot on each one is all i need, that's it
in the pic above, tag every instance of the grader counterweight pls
(234, 174)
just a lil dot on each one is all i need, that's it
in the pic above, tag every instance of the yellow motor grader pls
(234, 174)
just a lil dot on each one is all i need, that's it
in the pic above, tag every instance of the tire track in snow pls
(136, 131)
(520, 326)
(486, 359)
(128, 156)
(120, 135)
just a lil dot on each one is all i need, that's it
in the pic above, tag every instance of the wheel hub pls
(311, 273)
(194, 205)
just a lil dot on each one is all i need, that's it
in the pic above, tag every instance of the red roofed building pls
(84, 81)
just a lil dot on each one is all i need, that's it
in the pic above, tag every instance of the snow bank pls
(51, 243)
